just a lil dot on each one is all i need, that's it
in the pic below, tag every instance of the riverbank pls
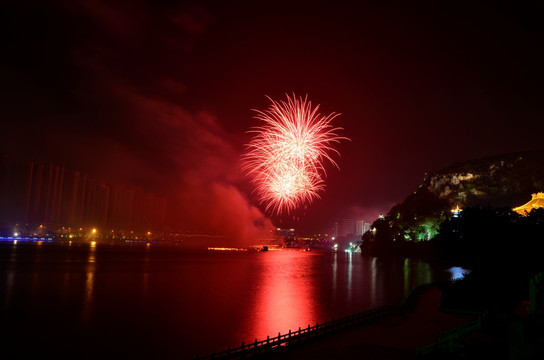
(425, 330)
(391, 337)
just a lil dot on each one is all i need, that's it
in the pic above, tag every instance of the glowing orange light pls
(226, 249)
(537, 201)
(456, 210)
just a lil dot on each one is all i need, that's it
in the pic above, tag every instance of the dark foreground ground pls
(507, 336)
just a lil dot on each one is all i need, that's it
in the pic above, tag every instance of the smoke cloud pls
(117, 106)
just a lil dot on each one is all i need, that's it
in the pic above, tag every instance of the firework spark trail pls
(285, 158)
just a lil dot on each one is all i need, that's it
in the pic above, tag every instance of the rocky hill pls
(500, 181)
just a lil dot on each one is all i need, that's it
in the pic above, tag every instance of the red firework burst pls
(285, 158)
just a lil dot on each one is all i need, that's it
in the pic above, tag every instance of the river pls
(166, 302)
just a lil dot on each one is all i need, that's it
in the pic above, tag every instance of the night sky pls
(160, 94)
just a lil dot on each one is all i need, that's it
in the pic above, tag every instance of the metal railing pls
(451, 340)
(302, 334)
(282, 340)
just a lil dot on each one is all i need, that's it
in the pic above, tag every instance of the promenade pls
(389, 337)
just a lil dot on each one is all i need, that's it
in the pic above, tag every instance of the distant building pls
(361, 227)
(286, 233)
(347, 227)
(456, 212)
(334, 230)
(49, 194)
(536, 202)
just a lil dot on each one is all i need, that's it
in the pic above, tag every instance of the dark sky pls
(159, 93)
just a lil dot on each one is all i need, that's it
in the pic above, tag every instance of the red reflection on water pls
(284, 296)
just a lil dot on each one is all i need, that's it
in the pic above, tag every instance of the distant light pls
(457, 211)
(15, 234)
(94, 231)
(457, 272)
(149, 233)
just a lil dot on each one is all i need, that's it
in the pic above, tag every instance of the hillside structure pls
(536, 202)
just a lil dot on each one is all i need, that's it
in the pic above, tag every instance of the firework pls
(285, 158)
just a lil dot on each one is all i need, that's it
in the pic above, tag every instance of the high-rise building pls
(44, 193)
(49, 194)
(361, 227)
(347, 228)
(97, 204)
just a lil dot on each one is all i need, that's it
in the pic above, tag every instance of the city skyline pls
(35, 194)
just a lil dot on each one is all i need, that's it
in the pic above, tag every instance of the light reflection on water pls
(284, 294)
(89, 285)
(349, 274)
(10, 274)
(191, 302)
(334, 275)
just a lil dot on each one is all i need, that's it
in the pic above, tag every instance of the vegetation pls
(499, 182)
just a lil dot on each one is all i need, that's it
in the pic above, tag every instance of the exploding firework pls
(285, 158)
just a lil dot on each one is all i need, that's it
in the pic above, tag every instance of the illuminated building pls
(361, 227)
(536, 202)
(456, 211)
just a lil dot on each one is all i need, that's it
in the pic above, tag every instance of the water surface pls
(168, 302)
